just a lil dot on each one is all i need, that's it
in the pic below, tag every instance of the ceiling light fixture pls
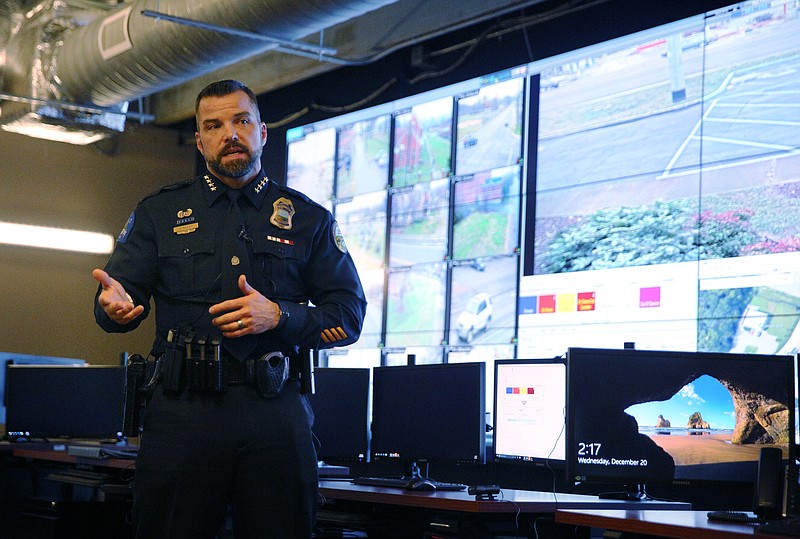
(55, 238)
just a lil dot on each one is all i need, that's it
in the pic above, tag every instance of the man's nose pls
(232, 133)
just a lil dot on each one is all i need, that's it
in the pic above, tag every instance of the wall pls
(46, 296)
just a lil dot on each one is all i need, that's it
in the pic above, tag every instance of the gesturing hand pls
(250, 313)
(117, 304)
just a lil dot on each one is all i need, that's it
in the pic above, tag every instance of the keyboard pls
(404, 483)
(733, 516)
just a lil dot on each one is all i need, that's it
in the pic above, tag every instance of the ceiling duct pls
(74, 68)
(31, 104)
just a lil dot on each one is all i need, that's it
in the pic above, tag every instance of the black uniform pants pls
(200, 452)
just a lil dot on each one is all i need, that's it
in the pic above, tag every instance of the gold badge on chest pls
(282, 214)
(186, 222)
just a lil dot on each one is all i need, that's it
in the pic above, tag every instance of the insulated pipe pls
(125, 55)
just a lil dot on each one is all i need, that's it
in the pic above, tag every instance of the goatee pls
(236, 168)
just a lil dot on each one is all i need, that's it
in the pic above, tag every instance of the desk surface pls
(509, 501)
(58, 452)
(674, 524)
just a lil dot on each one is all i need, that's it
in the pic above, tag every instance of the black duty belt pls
(193, 361)
(239, 372)
(267, 373)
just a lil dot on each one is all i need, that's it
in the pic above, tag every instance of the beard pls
(237, 168)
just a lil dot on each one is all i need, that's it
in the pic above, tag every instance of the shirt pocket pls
(188, 266)
(279, 269)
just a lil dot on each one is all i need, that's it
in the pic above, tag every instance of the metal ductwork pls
(75, 66)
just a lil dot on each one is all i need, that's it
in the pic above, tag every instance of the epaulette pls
(171, 187)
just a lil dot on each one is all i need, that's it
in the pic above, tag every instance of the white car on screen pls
(475, 317)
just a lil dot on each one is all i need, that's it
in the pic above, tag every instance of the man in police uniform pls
(264, 273)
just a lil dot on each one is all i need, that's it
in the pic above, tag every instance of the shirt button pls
(234, 260)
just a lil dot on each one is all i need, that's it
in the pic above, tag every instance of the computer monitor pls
(10, 358)
(529, 411)
(46, 401)
(637, 417)
(430, 412)
(341, 414)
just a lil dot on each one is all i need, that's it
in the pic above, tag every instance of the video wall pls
(643, 190)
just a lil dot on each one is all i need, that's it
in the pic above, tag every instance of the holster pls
(135, 373)
(271, 373)
(141, 375)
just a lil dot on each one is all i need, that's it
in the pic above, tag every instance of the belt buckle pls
(238, 372)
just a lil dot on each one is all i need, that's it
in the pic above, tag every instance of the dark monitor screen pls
(529, 411)
(341, 414)
(429, 412)
(8, 358)
(638, 416)
(64, 401)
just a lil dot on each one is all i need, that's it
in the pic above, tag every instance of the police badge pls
(282, 214)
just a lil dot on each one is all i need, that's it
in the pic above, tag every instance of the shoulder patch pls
(123, 235)
(338, 237)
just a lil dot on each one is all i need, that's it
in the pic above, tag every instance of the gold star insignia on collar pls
(260, 185)
(210, 182)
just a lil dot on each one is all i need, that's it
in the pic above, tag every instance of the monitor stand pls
(631, 493)
(412, 471)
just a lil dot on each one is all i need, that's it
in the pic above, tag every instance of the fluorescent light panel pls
(55, 238)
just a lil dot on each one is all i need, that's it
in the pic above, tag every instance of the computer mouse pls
(420, 484)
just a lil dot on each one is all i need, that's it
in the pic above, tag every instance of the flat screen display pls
(658, 205)
(45, 401)
(641, 189)
(8, 358)
(433, 412)
(639, 416)
(530, 398)
(341, 414)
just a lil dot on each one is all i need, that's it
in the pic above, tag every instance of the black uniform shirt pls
(170, 250)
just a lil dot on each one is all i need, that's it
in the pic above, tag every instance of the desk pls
(675, 524)
(390, 513)
(509, 501)
(45, 500)
(61, 455)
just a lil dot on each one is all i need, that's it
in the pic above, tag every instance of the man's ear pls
(199, 143)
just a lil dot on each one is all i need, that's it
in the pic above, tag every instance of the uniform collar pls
(255, 191)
